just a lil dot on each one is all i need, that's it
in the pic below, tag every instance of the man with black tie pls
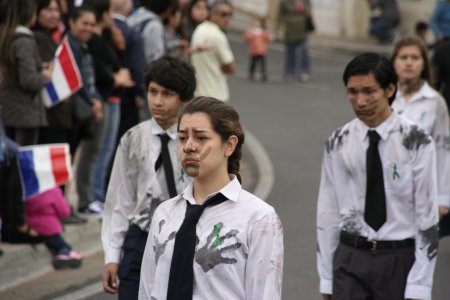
(147, 171)
(377, 206)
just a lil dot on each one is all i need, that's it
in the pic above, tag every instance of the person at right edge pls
(377, 209)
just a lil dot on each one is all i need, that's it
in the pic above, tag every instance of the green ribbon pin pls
(182, 176)
(216, 231)
(395, 174)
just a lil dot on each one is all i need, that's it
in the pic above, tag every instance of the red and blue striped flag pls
(66, 79)
(43, 167)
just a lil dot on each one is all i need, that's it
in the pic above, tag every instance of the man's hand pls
(443, 210)
(97, 110)
(109, 278)
(326, 297)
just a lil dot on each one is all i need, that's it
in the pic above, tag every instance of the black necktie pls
(164, 159)
(375, 212)
(181, 278)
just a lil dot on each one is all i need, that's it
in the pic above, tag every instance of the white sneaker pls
(96, 207)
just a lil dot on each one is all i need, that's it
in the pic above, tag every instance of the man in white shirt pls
(212, 65)
(140, 179)
(389, 250)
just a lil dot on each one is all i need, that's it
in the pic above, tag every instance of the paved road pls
(292, 122)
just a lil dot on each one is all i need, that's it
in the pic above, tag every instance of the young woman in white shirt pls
(417, 101)
(237, 250)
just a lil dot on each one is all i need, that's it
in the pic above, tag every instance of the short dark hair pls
(371, 63)
(158, 6)
(421, 26)
(100, 6)
(173, 74)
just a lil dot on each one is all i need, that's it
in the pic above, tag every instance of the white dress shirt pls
(247, 263)
(428, 109)
(409, 169)
(135, 189)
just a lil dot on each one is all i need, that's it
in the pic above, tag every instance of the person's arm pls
(327, 225)
(264, 271)
(60, 204)
(436, 18)
(225, 55)
(120, 200)
(420, 277)
(441, 133)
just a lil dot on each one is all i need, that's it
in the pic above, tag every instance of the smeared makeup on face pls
(205, 154)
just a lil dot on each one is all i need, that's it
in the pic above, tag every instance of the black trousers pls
(259, 60)
(129, 272)
(362, 274)
(11, 199)
(57, 245)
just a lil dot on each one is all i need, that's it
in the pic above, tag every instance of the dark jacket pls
(294, 21)
(21, 104)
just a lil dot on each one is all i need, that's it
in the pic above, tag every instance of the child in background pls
(43, 214)
(257, 38)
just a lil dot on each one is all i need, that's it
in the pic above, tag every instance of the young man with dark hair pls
(146, 172)
(377, 206)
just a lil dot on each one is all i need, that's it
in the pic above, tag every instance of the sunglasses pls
(226, 14)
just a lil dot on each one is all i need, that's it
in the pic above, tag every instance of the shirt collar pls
(384, 129)
(230, 191)
(171, 131)
(425, 92)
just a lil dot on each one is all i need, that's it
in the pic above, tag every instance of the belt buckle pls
(374, 245)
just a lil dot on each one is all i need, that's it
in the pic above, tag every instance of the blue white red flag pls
(66, 79)
(43, 167)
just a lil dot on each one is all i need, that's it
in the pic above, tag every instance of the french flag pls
(43, 167)
(66, 79)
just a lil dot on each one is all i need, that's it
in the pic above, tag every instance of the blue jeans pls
(297, 59)
(107, 147)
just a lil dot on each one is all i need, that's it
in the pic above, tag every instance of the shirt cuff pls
(112, 255)
(444, 200)
(326, 286)
(417, 292)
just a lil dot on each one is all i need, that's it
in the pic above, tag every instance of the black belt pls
(361, 242)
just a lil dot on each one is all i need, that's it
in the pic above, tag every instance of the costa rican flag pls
(66, 79)
(43, 167)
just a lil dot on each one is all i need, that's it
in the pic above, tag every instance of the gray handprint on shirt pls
(158, 247)
(210, 255)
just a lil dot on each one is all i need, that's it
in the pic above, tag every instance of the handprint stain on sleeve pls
(158, 247)
(210, 255)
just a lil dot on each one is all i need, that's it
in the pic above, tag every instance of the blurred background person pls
(131, 58)
(417, 101)
(257, 38)
(194, 14)
(292, 18)
(22, 74)
(440, 20)
(175, 45)
(43, 213)
(110, 77)
(213, 64)
(384, 17)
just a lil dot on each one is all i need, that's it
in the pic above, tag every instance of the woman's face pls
(83, 27)
(199, 12)
(50, 16)
(201, 149)
(408, 63)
